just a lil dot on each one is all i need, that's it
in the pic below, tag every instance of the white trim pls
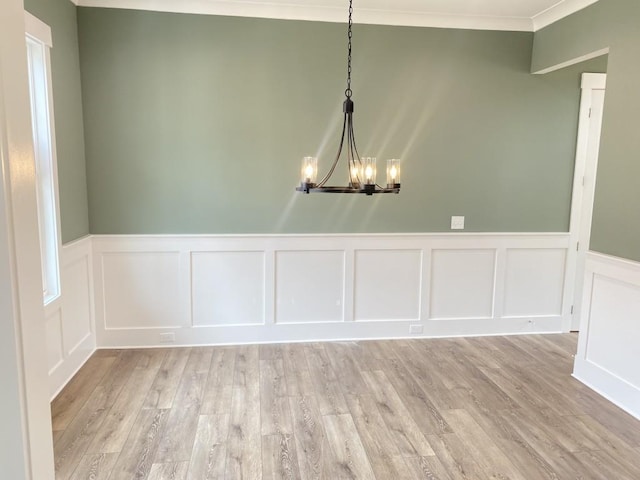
(584, 179)
(573, 61)
(78, 242)
(37, 29)
(320, 13)
(607, 325)
(621, 267)
(26, 413)
(562, 9)
(383, 247)
(462, 236)
(615, 389)
(322, 339)
(161, 269)
(323, 13)
(594, 81)
(39, 37)
(64, 371)
(54, 161)
(76, 312)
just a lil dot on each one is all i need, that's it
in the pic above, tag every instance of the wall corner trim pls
(70, 319)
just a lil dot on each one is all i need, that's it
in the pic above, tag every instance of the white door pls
(584, 183)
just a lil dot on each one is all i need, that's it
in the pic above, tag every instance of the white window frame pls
(39, 43)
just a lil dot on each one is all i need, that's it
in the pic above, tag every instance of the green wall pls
(60, 15)
(614, 24)
(197, 124)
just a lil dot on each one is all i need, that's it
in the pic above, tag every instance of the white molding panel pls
(227, 288)
(142, 290)
(218, 289)
(608, 354)
(309, 286)
(70, 318)
(532, 292)
(462, 283)
(378, 294)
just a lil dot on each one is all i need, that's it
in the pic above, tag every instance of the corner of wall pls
(70, 319)
(608, 354)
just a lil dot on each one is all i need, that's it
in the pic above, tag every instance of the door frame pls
(27, 445)
(584, 181)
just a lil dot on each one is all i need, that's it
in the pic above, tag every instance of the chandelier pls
(361, 170)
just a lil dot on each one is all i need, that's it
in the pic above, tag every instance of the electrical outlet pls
(168, 337)
(415, 329)
(457, 223)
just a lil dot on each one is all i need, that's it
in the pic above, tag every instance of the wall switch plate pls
(168, 337)
(457, 223)
(415, 329)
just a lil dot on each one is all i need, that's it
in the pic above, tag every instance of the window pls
(38, 39)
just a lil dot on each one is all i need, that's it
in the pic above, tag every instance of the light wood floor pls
(477, 408)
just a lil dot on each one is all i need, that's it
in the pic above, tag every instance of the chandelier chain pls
(348, 91)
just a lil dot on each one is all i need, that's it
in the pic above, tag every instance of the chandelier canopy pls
(361, 170)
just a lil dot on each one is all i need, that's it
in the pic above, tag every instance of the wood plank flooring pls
(449, 409)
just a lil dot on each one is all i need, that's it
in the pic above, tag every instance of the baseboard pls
(64, 372)
(615, 389)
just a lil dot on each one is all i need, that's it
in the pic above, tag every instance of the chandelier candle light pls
(362, 170)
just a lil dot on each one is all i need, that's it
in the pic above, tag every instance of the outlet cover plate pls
(457, 223)
(168, 337)
(416, 329)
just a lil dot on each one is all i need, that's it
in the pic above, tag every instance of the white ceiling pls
(522, 15)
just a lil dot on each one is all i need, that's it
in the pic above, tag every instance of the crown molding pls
(318, 13)
(559, 11)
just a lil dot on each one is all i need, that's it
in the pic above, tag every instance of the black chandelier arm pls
(353, 139)
(335, 162)
(354, 159)
(349, 153)
(350, 157)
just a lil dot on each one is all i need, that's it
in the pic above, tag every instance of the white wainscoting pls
(276, 288)
(70, 318)
(608, 357)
